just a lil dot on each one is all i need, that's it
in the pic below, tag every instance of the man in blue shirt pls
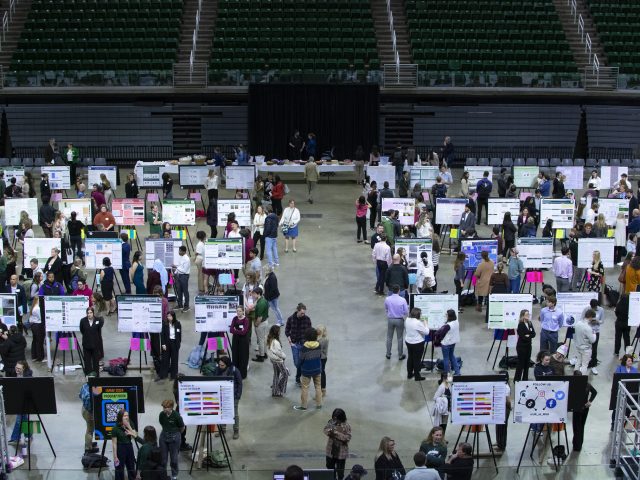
(483, 189)
(551, 320)
(397, 310)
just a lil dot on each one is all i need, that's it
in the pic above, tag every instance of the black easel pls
(505, 332)
(143, 338)
(424, 354)
(206, 346)
(69, 335)
(536, 436)
(476, 442)
(137, 237)
(28, 400)
(209, 445)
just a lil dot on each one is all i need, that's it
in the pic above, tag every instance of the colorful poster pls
(505, 308)
(425, 176)
(586, 247)
(499, 206)
(13, 207)
(82, 207)
(541, 402)
(206, 401)
(214, 313)
(96, 249)
(223, 253)
(139, 313)
(449, 210)
(405, 206)
(473, 252)
(242, 209)
(164, 249)
(535, 253)
(413, 248)
(128, 211)
(63, 314)
(39, 248)
(478, 403)
(525, 177)
(94, 172)
(574, 304)
(107, 402)
(179, 212)
(434, 307)
(560, 210)
(59, 176)
(240, 177)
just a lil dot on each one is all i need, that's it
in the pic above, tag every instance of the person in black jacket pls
(12, 347)
(622, 327)
(580, 415)
(387, 462)
(272, 294)
(131, 187)
(502, 183)
(460, 464)
(46, 214)
(526, 333)
(170, 339)
(271, 237)
(167, 186)
(397, 274)
(508, 233)
(75, 228)
(212, 217)
(91, 329)
(15, 287)
(483, 189)
(226, 368)
(54, 265)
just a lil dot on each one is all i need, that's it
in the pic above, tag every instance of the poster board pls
(95, 249)
(39, 392)
(106, 381)
(13, 172)
(206, 400)
(193, 176)
(59, 176)
(413, 248)
(434, 307)
(634, 309)
(149, 174)
(241, 207)
(381, 174)
(39, 248)
(128, 211)
(610, 207)
(535, 252)
(505, 308)
(473, 250)
(425, 176)
(573, 305)
(541, 402)
(179, 212)
(63, 313)
(482, 402)
(574, 176)
(577, 390)
(9, 309)
(586, 247)
(213, 313)
(13, 207)
(240, 177)
(610, 175)
(406, 207)
(139, 313)
(560, 210)
(109, 396)
(449, 210)
(476, 174)
(94, 172)
(525, 177)
(223, 253)
(499, 206)
(164, 249)
(82, 207)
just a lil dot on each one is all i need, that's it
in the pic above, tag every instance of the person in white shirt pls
(235, 230)
(258, 229)
(181, 272)
(211, 184)
(594, 180)
(415, 330)
(381, 255)
(592, 213)
(421, 472)
(425, 272)
(584, 338)
(289, 222)
(199, 260)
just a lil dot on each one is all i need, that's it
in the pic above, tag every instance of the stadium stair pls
(10, 43)
(205, 33)
(383, 35)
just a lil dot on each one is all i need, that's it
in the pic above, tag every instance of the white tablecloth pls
(293, 168)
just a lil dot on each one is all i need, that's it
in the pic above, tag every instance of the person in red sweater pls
(277, 194)
(104, 218)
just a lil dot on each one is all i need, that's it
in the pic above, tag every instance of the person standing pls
(227, 369)
(154, 218)
(123, 456)
(211, 184)
(91, 330)
(381, 255)
(136, 273)
(397, 274)
(483, 274)
(131, 187)
(182, 271)
(75, 228)
(37, 331)
(271, 237)
(509, 231)
(595, 273)
(72, 158)
(170, 339)
(260, 323)
(449, 342)
(311, 177)
(296, 145)
(323, 340)
(584, 337)
(514, 271)
(361, 219)
(240, 341)
(167, 186)
(87, 415)
(372, 200)
(107, 275)
(434, 448)
(126, 263)
(289, 224)
(277, 357)
(277, 194)
(579, 419)
(483, 189)
(310, 367)
(415, 330)
(297, 325)
(595, 326)
(172, 426)
(563, 270)
(551, 320)
(271, 293)
(387, 464)
(397, 310)
(338, 432)
(526, 333)
(258, 229)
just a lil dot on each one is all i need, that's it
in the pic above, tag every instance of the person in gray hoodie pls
(584, 338)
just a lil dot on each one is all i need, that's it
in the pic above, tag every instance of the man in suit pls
(91, 329)
(467, 223)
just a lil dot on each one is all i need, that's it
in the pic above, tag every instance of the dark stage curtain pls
(341, 116)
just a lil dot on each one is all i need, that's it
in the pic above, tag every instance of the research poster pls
(82, 207)
(13, 207)
(240, 177)
(610, 208)
(223, 253)
(574, 304)
(39, 248)
(193, 176)
(206, 401)
(107, 402)
(434, 307)
(9, 309)
(149, 174)
(425, 176)
(59, 176)
(536, 253)
(241, 207)
(586, 247)
(93, 175)
(541, 402)
(179, 212)
(413, 248)
(611, 175)
(634, 309)
(449, 210)
(499, 206)
(213, 313)
(167, 250)
(405, 206)
(473, 252)
(139, 313)
(476, 174)
(574, 176)
(381, 174)
(13, 172)
(63, 314)
(478, 403)
(560, 210)
(525, 177)
(96, 249)
(505, 308)
(128, 211)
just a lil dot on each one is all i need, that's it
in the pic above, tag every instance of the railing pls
(625, 443)
(602, 78)
(6, 21)
(194, 42)
(392, 31)
(400, 75)
(193, 75)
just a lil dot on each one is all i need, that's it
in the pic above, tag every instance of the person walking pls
(584, 337)
(170, 338)
(415, 330)
(310, 367)
(170, 436)
(515, 271)
(260, 323)
(449, 342)
(338, 433)
(324, 349)
(91, 330)
(271, 237)
(551, 320)
(272, 294)
(123, 457)
(240, 341)
(397, 310)
(277, 356)
(526, 333)
(297, 324)
(311, 177)
(596, 326)
(182, 270)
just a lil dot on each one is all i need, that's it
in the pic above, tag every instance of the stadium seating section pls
(618, 25)
(313, 36)
(79, 39)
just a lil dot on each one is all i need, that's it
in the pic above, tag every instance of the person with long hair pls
(131, 187)
(240, 340)
(22, 370)
(258, 229)
(526, 333)
(372, 200)
(449, 342)
(595, 274)
(290, 224)
(361, 218)
(323, 339)
(388, 465)
(277, 356)
(277, 194)
(136, 273)
(509, 231)
(211, 184)
(107, 275)
(91, 329)
(460, 275)
(415, 330)
(435, 448)
(123, 456)
(146, 465)
(170, 338)
(622, 328)
(338, 433)
(199, 260)
(442, 401)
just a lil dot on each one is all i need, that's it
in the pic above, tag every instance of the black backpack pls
(94, 460)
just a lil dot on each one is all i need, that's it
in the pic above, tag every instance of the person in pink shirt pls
(361, 218)
(83, 289)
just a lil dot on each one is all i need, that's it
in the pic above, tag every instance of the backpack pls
(117, 367)
(94, 460)
(195, 356)
(209, 369)
(439, 335)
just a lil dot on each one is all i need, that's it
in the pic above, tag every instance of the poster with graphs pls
(206, 401)
(505, 308)
(478, 403)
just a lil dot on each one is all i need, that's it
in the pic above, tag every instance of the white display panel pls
(478, 403)
(139, 313)
(505, 308)
(535, 253)
(39, 248)
(223, 253)
(213, 313)
(179, 212)
(574, 304)
(476, 174)
(525, 177)
(13, 207)
(63, 314)
(611, 175)
(405, 206)
(13, 172)
(59, 176)
(164, 249)
(473, 252)
(560, 210)
(574, 176)
(610, 207)
(634, 309)
(93, 175)
(149, 174)
(242, 209)
(586, 247)
(95, 249)
(541, 402)
(9, 309)
(434, 307)
(425, 176)
(193, 176)
(240, 177)
(82, 207)
(128, 211)
(413, 248)
(449, 210)
(499, 206)
(206, 401)
(381, 174)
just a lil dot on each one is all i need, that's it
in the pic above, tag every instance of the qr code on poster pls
(111, 411)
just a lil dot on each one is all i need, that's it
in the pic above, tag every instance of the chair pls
(16, 162)
(483, 162)
(591, 163)
(531, 162)
(520, 162)
(614, 162)
(5, 162)
(578, 162)
(603, 162)
(27, 162)
(555, 162)
(471, 162)
(495, 162)
(101, 162)
(567, 162)
(626, 162)
(543, 162)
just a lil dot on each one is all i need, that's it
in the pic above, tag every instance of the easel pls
(205, 437)
(476, 429)
(135, 235)
(155, 192)
(28, 400)
(198, 192)
(445, 231)
(636, 340)
(536, 436)
(115, 280)
(427, 341)
(503, 336)
(69, 335)
(145, 337)
(535, 284)
(206, 345)
(188, 240)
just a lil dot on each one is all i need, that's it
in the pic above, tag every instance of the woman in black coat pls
(91, 329)
(54, 264)
(12, 349)
(212, 217)
(526, 333)
(508, 233)
(170, 339)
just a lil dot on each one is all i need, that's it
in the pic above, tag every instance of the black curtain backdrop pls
(341, 116)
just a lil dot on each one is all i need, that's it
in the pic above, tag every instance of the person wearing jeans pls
(271, 237)
(397, 310)
(272, 294)
(551, 320)
(297, 325)
(310, 365)
(170, 439)
(381, 256)
(514, 271)
(182, 270)
(449, 343)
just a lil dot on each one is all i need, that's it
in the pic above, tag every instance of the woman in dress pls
(136, 273)
(277, 357)
(240, 341)
(338, 432)
(211, 184)
(388, 465)
(595, 273)
(106, 283)
(526, 333)
(170, 340)
(464, 185)
(258, 229)
(509, 233)
(53, 264)
(289, 221)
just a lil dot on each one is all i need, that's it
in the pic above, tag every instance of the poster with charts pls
(240, 177)
(540, 402)
(223, 253)
(82, 207)
(525, 177)
(206, 401)
(478, 403)
(574, 304)
(128, 211)
(63, 314)
(39, 248)
(634, 309)
(413, 248)
(535, 252)
(611, 175)
(574, 176)
(434, 307)
(9, 309)
(449, 210)
(193, 176)
(96, 249)
(610, 208)
(473, 252)
(13, 207)
(139, 313)
(59, 176)
(499, 206)
(93, 175)
(242, 209)
(13, 172)
(476, 174)
(405, 206)
(586, 247)
(505, 308)
(213, 313)
(381, 174)
(164, 249)
(560, 210)
(149, 174)
(179, 212)
(425, 176)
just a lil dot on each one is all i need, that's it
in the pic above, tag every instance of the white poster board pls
(413, 249)
(406, 207)
(610, 207)
(560, 210)
(381, 174)
(128, 211)
(63, 314)
(434, 307)
(499, 206)
(478, 403)
(242, 209)
(13, 207)
(95, 249)
(541, 402)
(149, 174)
(535, 252)
(13, 172)
(39, 248)
(59, 176)
(449, 210)
(206, 401)
(574, 304)
(473, 252)
(213, 313)
(193, 176)
(634, 309)
(505, 308)
(9, 309)
(586, 247)
(223, 253)
(611, 175)
(525, 177)
(82, 207)
(139, 313)
(574, 176)
(240, 177)
(94, 172)
(179, 212)
(425, 176)
(164, 249)
(476, 174)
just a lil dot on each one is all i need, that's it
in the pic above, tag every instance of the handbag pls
(285, 225)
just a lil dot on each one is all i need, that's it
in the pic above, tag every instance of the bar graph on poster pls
(478, 403)
(206, 401)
